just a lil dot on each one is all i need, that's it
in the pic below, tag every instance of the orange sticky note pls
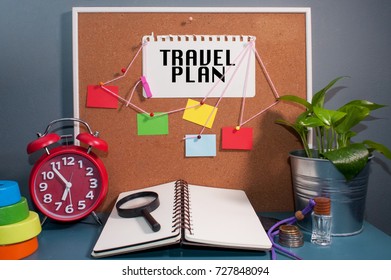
(98, 97)
(203, 114)
(233, 139)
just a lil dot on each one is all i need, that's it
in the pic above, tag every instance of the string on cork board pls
(191, 93)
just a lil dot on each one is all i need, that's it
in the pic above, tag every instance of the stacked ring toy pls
(19, 227)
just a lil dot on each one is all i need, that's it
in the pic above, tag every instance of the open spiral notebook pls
(188, 214)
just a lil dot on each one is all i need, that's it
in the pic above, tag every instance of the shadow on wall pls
(269, 179)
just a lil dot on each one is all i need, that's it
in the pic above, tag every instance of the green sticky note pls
(156, 125)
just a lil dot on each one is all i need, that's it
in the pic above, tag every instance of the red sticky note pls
(102, 97)
(233, 139)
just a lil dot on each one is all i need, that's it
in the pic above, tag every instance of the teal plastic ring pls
(9, 193)
(14, 213)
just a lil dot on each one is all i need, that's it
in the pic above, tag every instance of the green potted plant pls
(335, 166)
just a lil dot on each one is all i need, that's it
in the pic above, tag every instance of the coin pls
(290, 236)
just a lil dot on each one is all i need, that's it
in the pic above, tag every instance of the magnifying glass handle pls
(151, 221)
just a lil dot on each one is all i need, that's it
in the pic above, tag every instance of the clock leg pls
(44, 220)
(97, 219)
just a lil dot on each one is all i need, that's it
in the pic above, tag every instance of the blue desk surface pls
(75, 242)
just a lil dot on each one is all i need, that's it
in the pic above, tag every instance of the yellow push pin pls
(237, 128)
(101, 83)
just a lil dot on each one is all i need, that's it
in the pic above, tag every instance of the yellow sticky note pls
(203, 114)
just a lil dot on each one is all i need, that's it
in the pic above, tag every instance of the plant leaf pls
(318, 98)
(354, 115)
(374, 146)
(362, 103)
(356, 110)
(328, 117)
(296, 99)
(300, 129)
(311, 121)
(349, 160)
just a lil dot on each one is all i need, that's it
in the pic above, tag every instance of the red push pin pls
(202, 102)
(123, 70)
(151, 114)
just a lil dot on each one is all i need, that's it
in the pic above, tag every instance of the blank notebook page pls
(121, 232)
(225, 217)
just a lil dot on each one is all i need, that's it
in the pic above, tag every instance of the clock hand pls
(68, 185)
(60, 176)
(67, 190)
(70, 197)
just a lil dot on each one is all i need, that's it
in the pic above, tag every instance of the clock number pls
(58, 204)
(47, 198)
(93, 183)
(90, 171)
(69, 209)
(47, 175)
(81, 205)
(68, 160)
(56, 165)
(90, 195)
(80, 162)
(43, 187)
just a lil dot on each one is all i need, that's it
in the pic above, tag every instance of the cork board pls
(104, 41)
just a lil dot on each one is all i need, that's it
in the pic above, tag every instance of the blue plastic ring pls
(9, 193)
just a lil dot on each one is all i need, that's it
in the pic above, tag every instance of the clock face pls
(68, 184)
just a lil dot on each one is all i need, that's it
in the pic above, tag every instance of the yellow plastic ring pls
(19, 250)
(9, 193)
(20, 231)
(14, 213)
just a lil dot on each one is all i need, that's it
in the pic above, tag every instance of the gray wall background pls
(349, 37)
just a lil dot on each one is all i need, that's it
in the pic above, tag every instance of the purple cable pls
(272, 232)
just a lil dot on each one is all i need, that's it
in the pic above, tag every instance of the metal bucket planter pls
(312, 177)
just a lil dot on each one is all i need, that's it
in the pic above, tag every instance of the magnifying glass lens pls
(139, 204)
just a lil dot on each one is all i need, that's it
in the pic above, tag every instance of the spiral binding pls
(181, 218)
(197, 38)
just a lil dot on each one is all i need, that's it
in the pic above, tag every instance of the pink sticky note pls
(102, 97)
(233, 139)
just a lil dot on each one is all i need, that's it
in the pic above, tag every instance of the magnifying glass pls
(139, 204)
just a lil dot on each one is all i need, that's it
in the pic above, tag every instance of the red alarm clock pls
(68, 182)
